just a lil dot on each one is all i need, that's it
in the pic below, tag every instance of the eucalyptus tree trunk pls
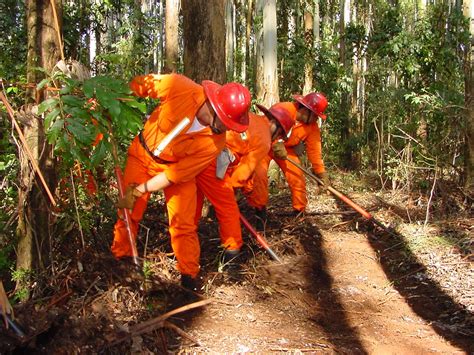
(469, 101)
(158, 61)
(316, 25)
(241, 39)
(309, 59)
(345, 98)
(171, 36)
(267, 77)
(248, 31)
(204, 40)
(34, 215)
(259, 53)
(230, 38)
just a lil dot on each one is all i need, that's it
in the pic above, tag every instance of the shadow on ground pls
(409, 276)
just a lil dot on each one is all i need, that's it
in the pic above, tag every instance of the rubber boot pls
(231, 262)
(190, 283)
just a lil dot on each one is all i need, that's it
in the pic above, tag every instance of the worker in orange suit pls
(309, 116)
(234, 168)
(212, 109)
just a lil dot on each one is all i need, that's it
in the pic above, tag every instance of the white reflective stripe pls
(170, 136)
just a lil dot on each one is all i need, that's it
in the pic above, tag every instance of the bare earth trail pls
(334, 293)
(342, 287)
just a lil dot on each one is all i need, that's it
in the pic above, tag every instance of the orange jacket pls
(249, 148)
(180, 97)
(310, 134)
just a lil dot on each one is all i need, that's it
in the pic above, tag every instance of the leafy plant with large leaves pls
(87, 120)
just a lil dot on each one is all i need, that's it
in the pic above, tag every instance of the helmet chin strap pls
(213, 126)
(320, 122)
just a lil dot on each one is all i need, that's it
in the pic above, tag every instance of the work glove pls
(325, 179)
(5, 307)
(279, 150)
(130, 196)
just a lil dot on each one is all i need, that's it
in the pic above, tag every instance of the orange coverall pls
(310, 134)
(248, 149)
(185, 157)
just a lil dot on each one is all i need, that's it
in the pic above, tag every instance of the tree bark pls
(171, 36)
(230, 38)
(345, 98)
(204, 40)
(309, 62)
(248, 30)
(469, 101)
(34, 215)
(267, 88)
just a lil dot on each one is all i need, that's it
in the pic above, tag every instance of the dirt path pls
(338, 291)
(345, 304)
(342, 287)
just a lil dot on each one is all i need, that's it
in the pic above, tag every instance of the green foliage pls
(23, 278)
(81, 113)
(131, 41)
(12, 40)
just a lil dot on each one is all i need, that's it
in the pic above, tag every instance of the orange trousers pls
(220, 194)
(181, 206)
(258, 196)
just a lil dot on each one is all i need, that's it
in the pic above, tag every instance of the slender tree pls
(34, 215)
(469, 99)
(230, 37)
(171, 36)
(345, 98)
(267, 77)
(204, 40)
(308, 38)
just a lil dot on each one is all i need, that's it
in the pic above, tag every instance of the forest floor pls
(344, 286)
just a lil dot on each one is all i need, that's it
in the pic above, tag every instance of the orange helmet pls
(315, 101)
(283, 112)
(231, 103)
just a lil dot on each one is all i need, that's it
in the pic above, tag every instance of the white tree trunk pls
(230, 35)
(268, 93)
(309, 62)
(316, 25)
(171, 36)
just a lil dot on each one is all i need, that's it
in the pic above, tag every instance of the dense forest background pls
(397, 74)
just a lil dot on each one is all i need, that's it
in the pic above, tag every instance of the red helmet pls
(231, 103)
(283, 112)
(315, 101)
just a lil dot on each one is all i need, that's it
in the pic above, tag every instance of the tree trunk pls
(171, 36)
(308, 38)
(230, 36)
(267, 88)
(34, 215)
(248, 31)
(345, 99)
(204, 40)
(259, 53)
(316, 25)
(469, 101)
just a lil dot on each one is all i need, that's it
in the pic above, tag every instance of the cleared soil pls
(343, 286)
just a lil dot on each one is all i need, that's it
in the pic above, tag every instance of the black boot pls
(190, 283)
(260, 218)
(232, 264)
